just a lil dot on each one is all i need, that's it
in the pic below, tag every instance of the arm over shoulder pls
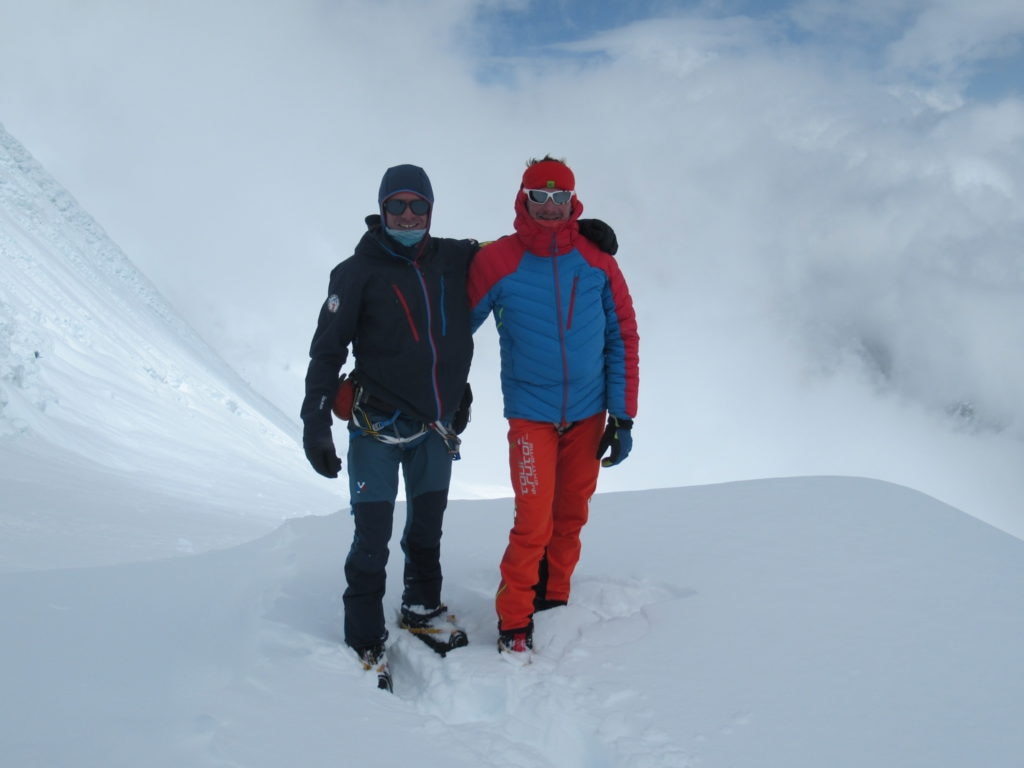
(492, 263)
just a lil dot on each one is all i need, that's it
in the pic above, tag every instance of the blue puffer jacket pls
(565, 319)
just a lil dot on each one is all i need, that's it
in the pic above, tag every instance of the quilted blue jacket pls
(565, 319)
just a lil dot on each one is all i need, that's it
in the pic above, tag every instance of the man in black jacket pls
(400, 301)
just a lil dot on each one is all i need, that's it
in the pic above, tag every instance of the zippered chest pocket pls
(404, 304)
(583, 300)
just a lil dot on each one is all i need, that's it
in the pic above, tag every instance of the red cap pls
(549, 174)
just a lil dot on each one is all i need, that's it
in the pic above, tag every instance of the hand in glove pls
(319, 446)
(461, 419)
(600, 234)
(619, 437)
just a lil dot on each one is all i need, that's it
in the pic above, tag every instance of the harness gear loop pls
(451, 440)
(375, 429)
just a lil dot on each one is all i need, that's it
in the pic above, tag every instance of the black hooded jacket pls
(404, 312)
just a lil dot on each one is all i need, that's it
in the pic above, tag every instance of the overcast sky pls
(819, 203)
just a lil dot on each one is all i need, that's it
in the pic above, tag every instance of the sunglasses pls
(541, 196)
(397, 207)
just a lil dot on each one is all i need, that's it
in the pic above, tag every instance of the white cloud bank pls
(822, 230)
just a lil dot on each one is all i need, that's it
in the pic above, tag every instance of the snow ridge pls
(68, 291)
(103, 385)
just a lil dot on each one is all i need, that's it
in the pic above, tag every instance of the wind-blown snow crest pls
(68, 290)
(94, 363)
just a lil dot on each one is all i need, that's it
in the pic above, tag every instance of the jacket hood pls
(405, 178)
(547, 241)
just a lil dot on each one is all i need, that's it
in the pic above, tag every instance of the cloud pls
(822, 228)
(948, 36)
(939, 47)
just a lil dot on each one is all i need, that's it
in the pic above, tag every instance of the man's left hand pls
(618, 436)
(600, 234)
(462, 415)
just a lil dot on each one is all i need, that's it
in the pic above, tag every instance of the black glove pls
(600, 234)
(618, 436)
(319, 446)
(317, 440)
(461, 418)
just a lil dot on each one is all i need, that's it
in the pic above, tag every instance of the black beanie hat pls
(405, 178)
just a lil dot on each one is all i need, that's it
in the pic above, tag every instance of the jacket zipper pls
(414, 263)
(561, 329)
(429, 332)
(433, 345)
(572, 302)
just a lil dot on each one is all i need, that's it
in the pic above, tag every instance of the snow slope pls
(103, 386)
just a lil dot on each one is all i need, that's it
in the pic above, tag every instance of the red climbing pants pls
(554, 475)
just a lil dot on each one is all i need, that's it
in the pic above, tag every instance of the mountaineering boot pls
(375, 657)
(434, 626)
(516, 641)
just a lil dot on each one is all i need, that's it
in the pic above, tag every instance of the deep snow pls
(800, 622)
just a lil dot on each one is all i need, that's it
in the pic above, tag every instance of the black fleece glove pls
(618, 436)
(319, 446)
(600, 234)
(461, 419)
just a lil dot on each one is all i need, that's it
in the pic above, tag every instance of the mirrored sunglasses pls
(541, 196)
(397, 207)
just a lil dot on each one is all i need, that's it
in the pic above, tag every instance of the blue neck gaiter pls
(406, 236)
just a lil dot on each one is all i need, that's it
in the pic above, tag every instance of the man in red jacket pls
(569, 357)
